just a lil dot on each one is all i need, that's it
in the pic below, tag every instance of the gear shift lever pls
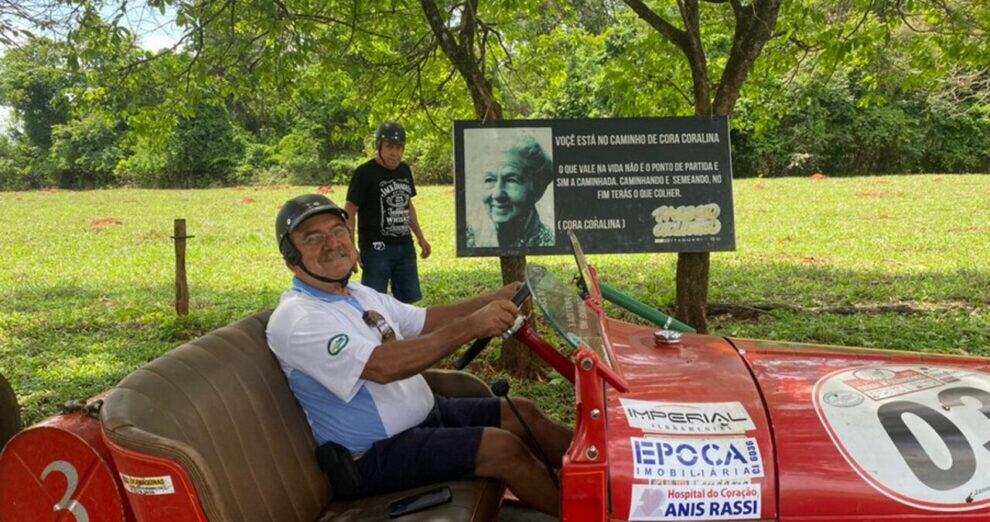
(501, 389)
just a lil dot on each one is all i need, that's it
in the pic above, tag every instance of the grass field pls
(86, 278)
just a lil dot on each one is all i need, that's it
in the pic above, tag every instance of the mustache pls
(332, 255)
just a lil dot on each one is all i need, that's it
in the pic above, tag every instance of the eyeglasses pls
(317, 239)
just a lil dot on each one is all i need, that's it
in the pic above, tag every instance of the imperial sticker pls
(693, 502)
(696, 459)
(688, 418)
(148, 485)
(918, 434)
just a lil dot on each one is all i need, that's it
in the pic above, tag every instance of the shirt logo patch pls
(337, 343)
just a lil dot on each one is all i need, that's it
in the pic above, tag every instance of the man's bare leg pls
(552, 437)
(503, 456)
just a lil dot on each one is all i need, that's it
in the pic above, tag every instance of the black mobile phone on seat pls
(420, 501)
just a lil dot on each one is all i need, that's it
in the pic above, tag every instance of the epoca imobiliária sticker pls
(696, 459)
(695, 502)
(688, 418)
(918, 434)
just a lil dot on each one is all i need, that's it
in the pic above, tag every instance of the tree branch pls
(754, 27)
(462, 55)
(668, 31)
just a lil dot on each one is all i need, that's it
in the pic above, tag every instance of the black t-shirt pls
(382, 197)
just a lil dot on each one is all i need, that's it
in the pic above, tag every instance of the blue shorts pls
(395, 263)
(443, 447)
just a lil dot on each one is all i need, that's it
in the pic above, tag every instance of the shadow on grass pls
(809, 285)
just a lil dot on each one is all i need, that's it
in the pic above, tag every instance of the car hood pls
(880, 433)
(806, 431)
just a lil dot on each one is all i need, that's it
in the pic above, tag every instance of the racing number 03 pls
(918, 459)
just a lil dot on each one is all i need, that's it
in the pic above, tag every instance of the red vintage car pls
(670, 425)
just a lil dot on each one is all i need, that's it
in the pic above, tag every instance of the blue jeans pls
(396, 263)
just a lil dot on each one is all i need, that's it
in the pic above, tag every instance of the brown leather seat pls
(220, 407)
(10, 412)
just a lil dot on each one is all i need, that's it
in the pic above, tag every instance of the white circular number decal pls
(67, 503)
(918, 434)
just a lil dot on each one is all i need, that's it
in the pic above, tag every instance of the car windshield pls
(565, 311)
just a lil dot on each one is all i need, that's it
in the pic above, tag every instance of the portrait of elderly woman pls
(507, 175)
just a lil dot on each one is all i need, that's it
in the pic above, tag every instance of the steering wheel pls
(480, 344)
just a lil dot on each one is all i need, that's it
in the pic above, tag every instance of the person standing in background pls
(380, 198)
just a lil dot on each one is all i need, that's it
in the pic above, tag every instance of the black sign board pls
(622, 185)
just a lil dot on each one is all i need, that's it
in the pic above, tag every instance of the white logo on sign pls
(702, 417)
(921, 435)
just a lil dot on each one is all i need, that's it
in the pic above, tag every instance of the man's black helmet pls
(293, 213)
(390, 131)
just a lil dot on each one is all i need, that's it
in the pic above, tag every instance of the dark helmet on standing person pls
(293, 213)
(390, 131)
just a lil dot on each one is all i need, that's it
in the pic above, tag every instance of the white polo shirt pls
(322, 344)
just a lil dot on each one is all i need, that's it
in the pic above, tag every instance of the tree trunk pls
(516, 357)
(460, 49)
(755, 24)
(692, 289)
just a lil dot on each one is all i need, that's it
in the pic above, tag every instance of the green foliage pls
(342, 168)
(955, 142)
(297, 156)
(292, 92)
(432, 160)
(86, 150)
(202, 150)
(33, 78)
(143, 167)
(660, 83)
(255, 164)
(16, 166)
(833, 127)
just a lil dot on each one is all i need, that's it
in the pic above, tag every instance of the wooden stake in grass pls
(181, 285)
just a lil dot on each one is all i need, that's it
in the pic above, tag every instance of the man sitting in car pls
(353, 358)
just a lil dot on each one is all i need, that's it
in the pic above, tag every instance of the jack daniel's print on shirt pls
(394, 202)
(383, 199)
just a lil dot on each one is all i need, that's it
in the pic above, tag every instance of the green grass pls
(82, 303)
